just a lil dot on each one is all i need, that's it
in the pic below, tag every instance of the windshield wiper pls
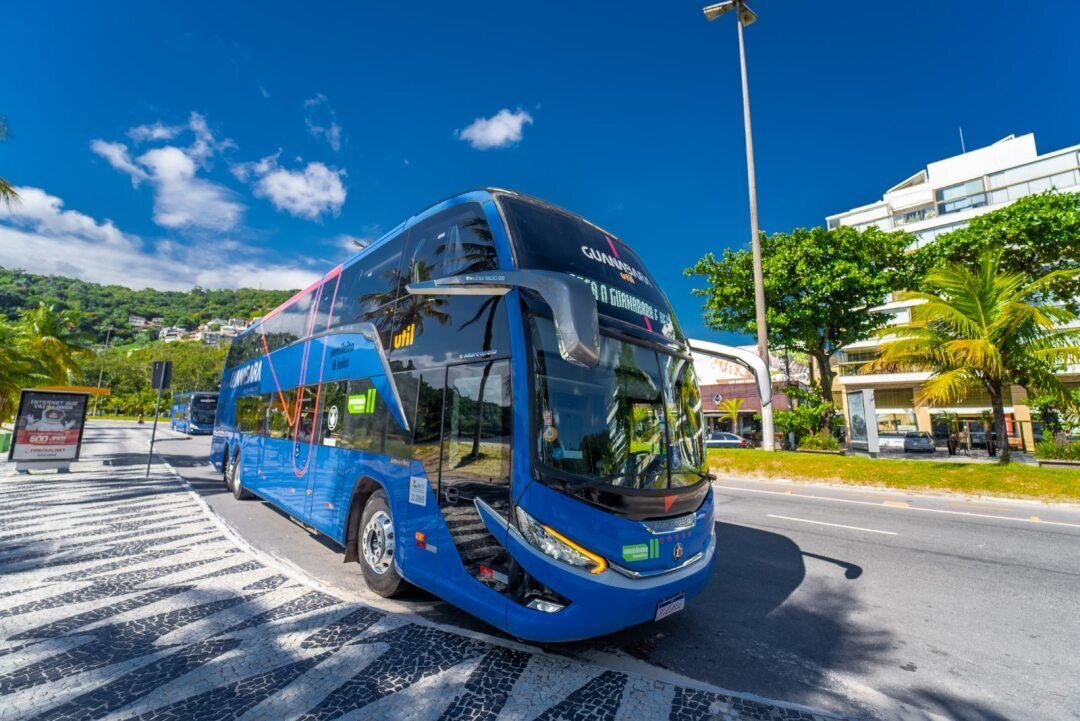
(573, 482)
(702, 475)
(578, 485)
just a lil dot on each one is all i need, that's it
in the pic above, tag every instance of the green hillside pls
(104, 306)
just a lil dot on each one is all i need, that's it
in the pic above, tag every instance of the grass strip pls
(1059, 485)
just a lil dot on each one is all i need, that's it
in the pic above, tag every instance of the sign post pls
(48, 429)
(162, 379)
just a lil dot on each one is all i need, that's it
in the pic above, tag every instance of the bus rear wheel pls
(235, 484)
(226, 470)
(376, 546)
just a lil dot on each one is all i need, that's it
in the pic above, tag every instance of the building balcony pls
(856, 374)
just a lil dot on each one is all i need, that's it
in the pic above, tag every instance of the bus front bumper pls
(599, 603)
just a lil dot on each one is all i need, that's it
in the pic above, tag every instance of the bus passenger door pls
(475, 458)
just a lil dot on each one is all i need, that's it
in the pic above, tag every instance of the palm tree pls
(16, 370)
(7, 190)
(52, 337)
(984, 327)
(729, 410)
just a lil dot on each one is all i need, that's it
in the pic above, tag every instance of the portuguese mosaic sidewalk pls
(121, 598)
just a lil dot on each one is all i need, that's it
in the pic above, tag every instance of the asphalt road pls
(876, 604)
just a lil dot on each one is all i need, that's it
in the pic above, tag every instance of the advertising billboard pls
(862, 421)
(49, 426)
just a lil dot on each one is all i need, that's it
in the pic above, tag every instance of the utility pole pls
(101, 371)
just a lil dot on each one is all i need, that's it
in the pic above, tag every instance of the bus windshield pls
(203, 409)
(633, 421)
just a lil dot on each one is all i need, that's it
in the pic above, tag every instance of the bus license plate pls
(670, 606)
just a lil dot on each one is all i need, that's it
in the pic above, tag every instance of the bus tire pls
(225, 469)
(376, 547)
(235, 481)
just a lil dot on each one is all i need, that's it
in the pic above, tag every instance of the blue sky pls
(173, 144)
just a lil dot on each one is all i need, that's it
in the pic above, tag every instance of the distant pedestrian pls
(952, 442)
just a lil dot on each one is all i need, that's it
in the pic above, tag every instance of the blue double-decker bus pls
(193, 413)
(493, 402)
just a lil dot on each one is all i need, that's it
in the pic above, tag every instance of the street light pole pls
(745, 16)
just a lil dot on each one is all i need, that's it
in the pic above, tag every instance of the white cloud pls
(323, 123)
(39, 236)
(154, 131)
(182, 199)
(500, 130)
(256, 168)
(309, 193)
(306, 193)
(332, 133)
(117, 155)
(186, 201)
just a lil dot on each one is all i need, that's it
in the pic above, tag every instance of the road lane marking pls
(985, 507)
(879, 504)
(896, 504)
(834, 525)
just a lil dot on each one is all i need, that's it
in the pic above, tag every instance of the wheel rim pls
(235, 471)
(378, 542)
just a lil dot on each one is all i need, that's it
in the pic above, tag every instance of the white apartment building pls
(944, 196)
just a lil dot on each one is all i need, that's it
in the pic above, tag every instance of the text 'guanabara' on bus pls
(493, 402)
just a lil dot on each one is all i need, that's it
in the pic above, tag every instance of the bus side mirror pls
(570, 299)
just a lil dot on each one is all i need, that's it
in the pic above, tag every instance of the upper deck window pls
(371, 283)
(289, 324)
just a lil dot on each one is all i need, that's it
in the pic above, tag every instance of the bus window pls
(351, 418)
(455, 241)
(279, 412)
(399, 440)
(368, 285)
(304, 414)
(290, 324)
(438, 329)
(248, 412)
(326, 302)
(427, 436)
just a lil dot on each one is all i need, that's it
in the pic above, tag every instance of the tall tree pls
(984, 327)
(1036, 234)
(818, 284)
(7, 190)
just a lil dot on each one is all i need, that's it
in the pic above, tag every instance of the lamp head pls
(746, 15)
(714, 11)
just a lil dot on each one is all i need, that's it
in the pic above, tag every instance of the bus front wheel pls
(376, 546)
(236, 484)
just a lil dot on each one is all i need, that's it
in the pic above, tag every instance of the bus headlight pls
(556, 545)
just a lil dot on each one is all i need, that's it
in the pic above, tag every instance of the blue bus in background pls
(193, 413)
(493, 402)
